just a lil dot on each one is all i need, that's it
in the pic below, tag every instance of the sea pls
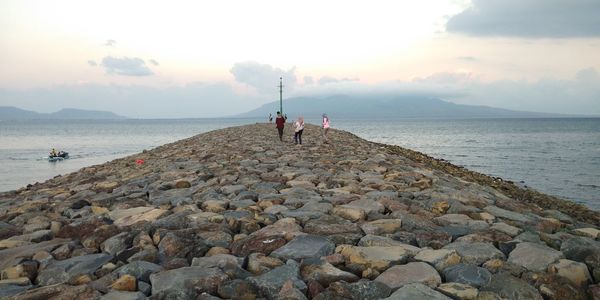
(556, 156)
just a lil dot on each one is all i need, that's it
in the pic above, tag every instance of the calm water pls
(556, 156)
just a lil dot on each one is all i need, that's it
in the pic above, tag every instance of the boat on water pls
(61, 155)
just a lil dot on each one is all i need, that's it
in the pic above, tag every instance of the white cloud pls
(92, 63)
(529, 18)
(127, 66)
(264, 78)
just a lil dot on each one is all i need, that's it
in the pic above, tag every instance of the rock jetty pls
(237, 214)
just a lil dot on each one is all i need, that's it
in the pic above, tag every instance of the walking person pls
(298, 129)
(270, 118)
(325, 128)
(280, 123)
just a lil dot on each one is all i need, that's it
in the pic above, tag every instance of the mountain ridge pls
(15, 113)
(387, 106)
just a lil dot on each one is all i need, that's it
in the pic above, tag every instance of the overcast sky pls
(169, 59)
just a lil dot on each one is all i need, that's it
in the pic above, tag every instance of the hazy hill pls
(369, 107)
(14, 113)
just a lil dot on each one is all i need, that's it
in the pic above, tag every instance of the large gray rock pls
(323, 272)
(399, 276)
(413, 291)
(475, 253)
(534, 257)
(510, 287)
(270, 283)
(216, 261)
(141, 270)
(363, 289)
(507, 214)
(8, 256)
(468, 274)
(305, 246)
(64, 270)
(120, 295)
(187, 282)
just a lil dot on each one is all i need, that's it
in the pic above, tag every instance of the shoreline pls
(235, 213)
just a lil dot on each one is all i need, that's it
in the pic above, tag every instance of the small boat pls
(61, 155)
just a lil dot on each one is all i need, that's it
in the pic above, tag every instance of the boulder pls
(534, 257)
(475, 253)
(68, 269)
(417, 290)
(187, 282)
(363, 289)
(324, 273)
(459, 291)
(237, 289)
(399, 276)
(468, 274)
(510, 287)
(305, 246)
(576, 272)
(141, 270)
(440, 259)
(377, 258)
(269, 284)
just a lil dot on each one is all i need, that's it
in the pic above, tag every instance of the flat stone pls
(363, 289)
(122, 295)
(377, 258)
(459, 291)
(507, 214)
(510, 287)
(65, 270)
(269, 284)
(508, 229)
(382, 226)
(216, 261)
(305, 246)
(440, 259)
(475, 253)
(131, 216)
(417, 290)
(141, 270)
(534, 257)
(323, 272)
(398, 276)
(460, 220)
(575, 272)
(589, 232)
(187, 282)
(468, 274)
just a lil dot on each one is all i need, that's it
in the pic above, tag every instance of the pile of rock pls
(236, 214)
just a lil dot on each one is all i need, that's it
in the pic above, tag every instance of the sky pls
(181, 59)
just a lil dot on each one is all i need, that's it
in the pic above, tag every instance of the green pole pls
(281, 95)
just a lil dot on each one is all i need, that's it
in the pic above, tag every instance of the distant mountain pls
(370, 107)
(14, 113)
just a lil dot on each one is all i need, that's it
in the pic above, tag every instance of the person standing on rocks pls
(298, 128)
(280, 123)
(325, 127)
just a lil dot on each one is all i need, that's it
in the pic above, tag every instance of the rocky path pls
(236, 214)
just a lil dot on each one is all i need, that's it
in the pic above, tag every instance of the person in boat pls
(53, 153)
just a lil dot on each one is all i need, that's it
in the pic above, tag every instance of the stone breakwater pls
(236, 214)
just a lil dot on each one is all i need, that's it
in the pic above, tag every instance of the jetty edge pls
(235, 213)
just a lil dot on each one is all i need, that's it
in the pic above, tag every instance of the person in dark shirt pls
(280, 123)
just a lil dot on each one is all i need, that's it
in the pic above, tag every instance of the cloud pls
(110, 43)
(126, 66)
(446, 78)
(308, 80)
(92, 63)
(328, 79)
(529, 18)
(264, 78)
(153, 61)
(468, 58)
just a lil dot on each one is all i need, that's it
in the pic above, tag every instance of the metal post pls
(281, 95)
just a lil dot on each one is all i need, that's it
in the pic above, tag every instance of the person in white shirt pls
(325, 127)
(298, 128)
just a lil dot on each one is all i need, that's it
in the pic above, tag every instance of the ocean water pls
(560, 157)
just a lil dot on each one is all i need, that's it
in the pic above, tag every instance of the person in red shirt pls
(280, 123)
